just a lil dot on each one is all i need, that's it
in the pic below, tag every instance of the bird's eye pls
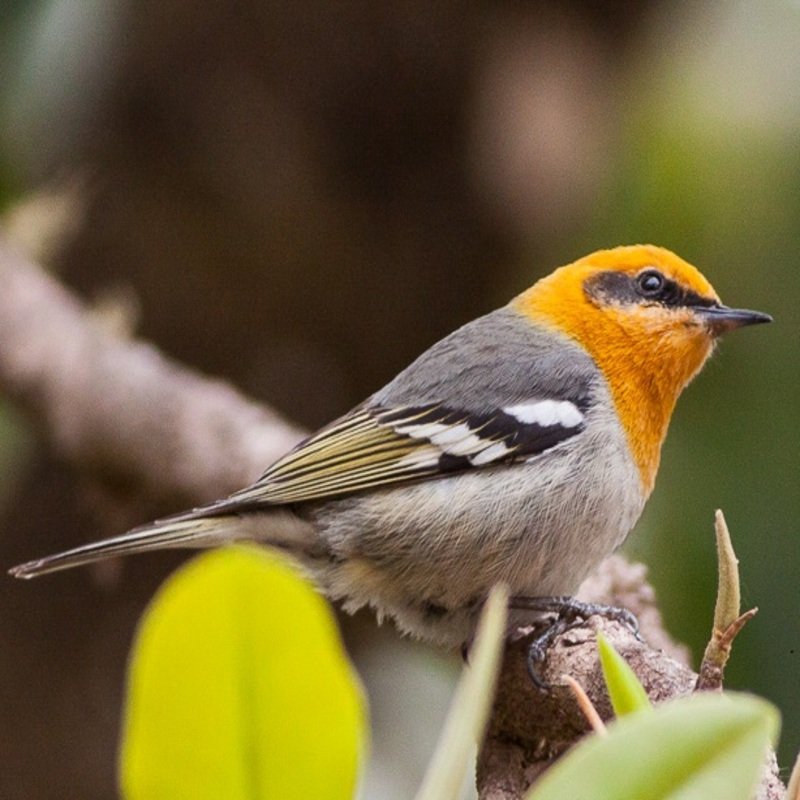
(650, 283)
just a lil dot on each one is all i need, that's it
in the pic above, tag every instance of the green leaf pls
(702, 747)
(626, 692)
(239, 688)
(469, 710)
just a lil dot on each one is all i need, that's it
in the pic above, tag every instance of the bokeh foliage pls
(693, 748)
(239, 688)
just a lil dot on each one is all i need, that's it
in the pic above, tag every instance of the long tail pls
(192, 529)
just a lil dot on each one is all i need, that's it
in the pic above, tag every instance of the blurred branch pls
(114, 405)
(117, 406)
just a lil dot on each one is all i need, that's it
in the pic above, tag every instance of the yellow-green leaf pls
(697, 748)
(626, 692)
(239, 688)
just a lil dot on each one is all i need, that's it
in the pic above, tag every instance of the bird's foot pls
(569, 613)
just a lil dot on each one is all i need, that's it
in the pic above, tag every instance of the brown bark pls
(530, 729)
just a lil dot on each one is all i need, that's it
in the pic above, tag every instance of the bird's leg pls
(572, 610)
(569, 612)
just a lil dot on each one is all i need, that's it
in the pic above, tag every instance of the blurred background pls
(301, 197)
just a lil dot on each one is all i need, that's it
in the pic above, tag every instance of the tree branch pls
(529, 729)
(117, 406)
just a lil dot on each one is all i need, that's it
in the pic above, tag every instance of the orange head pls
(649, 320)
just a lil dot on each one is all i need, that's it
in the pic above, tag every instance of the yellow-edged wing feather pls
(354, 453)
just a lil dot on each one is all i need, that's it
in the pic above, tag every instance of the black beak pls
(721, 319)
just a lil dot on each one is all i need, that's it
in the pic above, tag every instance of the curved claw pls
(628, 619)
(537, 650)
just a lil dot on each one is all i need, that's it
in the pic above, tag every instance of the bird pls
(520, 449)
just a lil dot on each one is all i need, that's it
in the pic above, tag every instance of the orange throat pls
(644, 400)
(646, 363)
